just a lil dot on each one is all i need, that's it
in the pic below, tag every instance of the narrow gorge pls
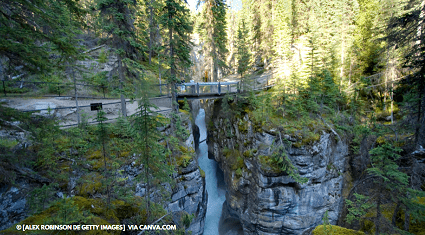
(259, 199)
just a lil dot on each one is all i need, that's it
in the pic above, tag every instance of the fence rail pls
(191, 89)
(159, 93)
(57, 89)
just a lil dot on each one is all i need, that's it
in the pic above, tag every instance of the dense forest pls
(355, 69)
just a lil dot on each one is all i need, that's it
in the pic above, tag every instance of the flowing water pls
(213, 178)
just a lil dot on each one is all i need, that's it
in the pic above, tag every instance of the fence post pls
(168, 89)
(4, 89)
(197, 87)
(103, 90)
(219, 88)
(228, 88)
(267, 81)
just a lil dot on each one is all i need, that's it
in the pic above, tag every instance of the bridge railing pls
(204, 88)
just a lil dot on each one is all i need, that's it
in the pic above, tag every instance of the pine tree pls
(243, 53)
(408, 30)
(118, 21)
(32, 30)
(282, 38)
(391, 185)
(175, 18)
(231, 39)
(152, 153)
(267, 30)
(214, 34)
(103, 139)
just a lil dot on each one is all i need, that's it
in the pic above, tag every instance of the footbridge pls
(211, 90)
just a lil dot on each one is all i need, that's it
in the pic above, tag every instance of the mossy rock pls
(124, 209)
(202, 172)
(39, 218)
(92, 183)
(83, 204)
(310, 139)
(97, 207)
(268, 164)
(388, 211)
(183, 160)
(94, 155)
(242, 126)
(335, 230)
(125, 153)
(248, 153)
(234, 159)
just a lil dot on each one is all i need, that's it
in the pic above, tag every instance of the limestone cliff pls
(264, 200)
(186, 197)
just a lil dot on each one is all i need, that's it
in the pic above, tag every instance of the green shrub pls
(336, 230)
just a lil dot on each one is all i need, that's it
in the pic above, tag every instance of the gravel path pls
(64, 107)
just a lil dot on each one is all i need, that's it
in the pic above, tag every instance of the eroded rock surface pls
(266, 202)
(187, 196)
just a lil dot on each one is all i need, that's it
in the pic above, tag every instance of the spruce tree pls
(174, 16)
(152, 153)
(214, 34)
(118, 18)
(33, 30)
(267, 30)
(408, 31)
(390, 186)
(243, 53)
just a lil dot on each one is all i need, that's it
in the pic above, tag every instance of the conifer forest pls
(212, 117)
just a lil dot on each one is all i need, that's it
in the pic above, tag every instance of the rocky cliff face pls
(187, 196)
(265, 202)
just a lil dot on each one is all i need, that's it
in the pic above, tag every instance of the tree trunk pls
(418, 128)
(147, 164)
(76, 95)
(214, 65)
(212, 69)
(150, 31)
(397, 208)
(121, 77)
(349, 76)
(406, 219)
(173, 76)
(378, 212)
(159, 73)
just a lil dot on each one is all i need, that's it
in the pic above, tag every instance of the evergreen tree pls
(267, 30)
(231, 39)
(391, 185)
(152, 7)
(118, 18)
(243, 53)
(214, 34)
(33, 30)
(152, 153)
(408, 30)
(175, 18)
(103, 139)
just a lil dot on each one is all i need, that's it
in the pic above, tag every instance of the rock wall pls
(188, 195)
(273, 203)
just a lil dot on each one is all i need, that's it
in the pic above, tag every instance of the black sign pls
(95, 106)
